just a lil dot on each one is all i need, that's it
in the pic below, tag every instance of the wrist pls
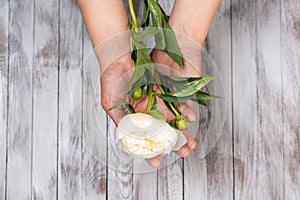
(188, 29)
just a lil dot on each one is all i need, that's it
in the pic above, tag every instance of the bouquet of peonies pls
(146, 135)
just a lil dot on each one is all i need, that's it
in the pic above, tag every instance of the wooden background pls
(255, 43)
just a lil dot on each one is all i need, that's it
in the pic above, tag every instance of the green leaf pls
(134, 85)
(157, 115)
(145, 88)
(134, 55)
(160, 40)
(142, 54)
(201, 102)
(146, 12)
(179, 80)
(154, 105)
(157, 18)
(146, 34)
(156, 13)
(205, 96)
(193, 87)
(119, 103)
(137, 74)
(172, 48)
(130, 108)
(173, 99)
(164, 84)
(163, 12)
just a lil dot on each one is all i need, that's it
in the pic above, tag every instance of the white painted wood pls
(119, 171)
(269, 97)
(20, 100)
(220, 159)
(144, 184)
(265, 103)
(3, 92)
(45, 90)
(94, 129)
(246, 133)
(70, 101)
(195, 167)
(170, 181)
(119, 164)
(170, 178)
(290, 51)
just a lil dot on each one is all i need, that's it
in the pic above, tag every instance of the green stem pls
(133, 16)
(170, 104)
(150, 98)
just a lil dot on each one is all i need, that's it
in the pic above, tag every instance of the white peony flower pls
(143, 136)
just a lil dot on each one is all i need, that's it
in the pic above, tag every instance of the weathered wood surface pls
(93, 141)
(70, 95)
(219, 161)
(290, 61)
(20, 122)
(48, 128)
(45, 89)
(4, 15)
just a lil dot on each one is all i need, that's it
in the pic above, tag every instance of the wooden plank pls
(290, 51)
(259, 37)
(3, 91)
(45, 107)
(220, 159)
(170, 184)
(144, 183)
(94, 131)
(170, 178)
(120, 166)
(244, 100)
(70, 101)
(195, 166)
(20, 100)
(269, 97)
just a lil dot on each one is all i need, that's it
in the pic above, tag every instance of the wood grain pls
(45, 87)
(94, 131)
(246, 134)
(20, 100)
(54, 149)
(144, 184)
(170, 178)
(70, 101)
(269, 97)
(120, 168)
(290, 51)
(220, 159)
(3, 92)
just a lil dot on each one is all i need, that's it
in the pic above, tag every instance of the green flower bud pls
(137, 94)
(172, 123)
(181, 124)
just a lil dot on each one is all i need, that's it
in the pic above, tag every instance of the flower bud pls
(181, 124)
(172, 123)
(137, 94)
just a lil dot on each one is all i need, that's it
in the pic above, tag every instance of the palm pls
(114, 81)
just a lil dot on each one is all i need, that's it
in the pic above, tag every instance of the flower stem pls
(134, 23)
(169, 103)
(150, 98)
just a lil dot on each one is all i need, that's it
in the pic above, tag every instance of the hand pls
(114, 81)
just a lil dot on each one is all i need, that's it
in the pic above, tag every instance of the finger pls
(187, 111)
(184, 151)
(191, 142)
(139, 105)
(154, 162)
(117, 114)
